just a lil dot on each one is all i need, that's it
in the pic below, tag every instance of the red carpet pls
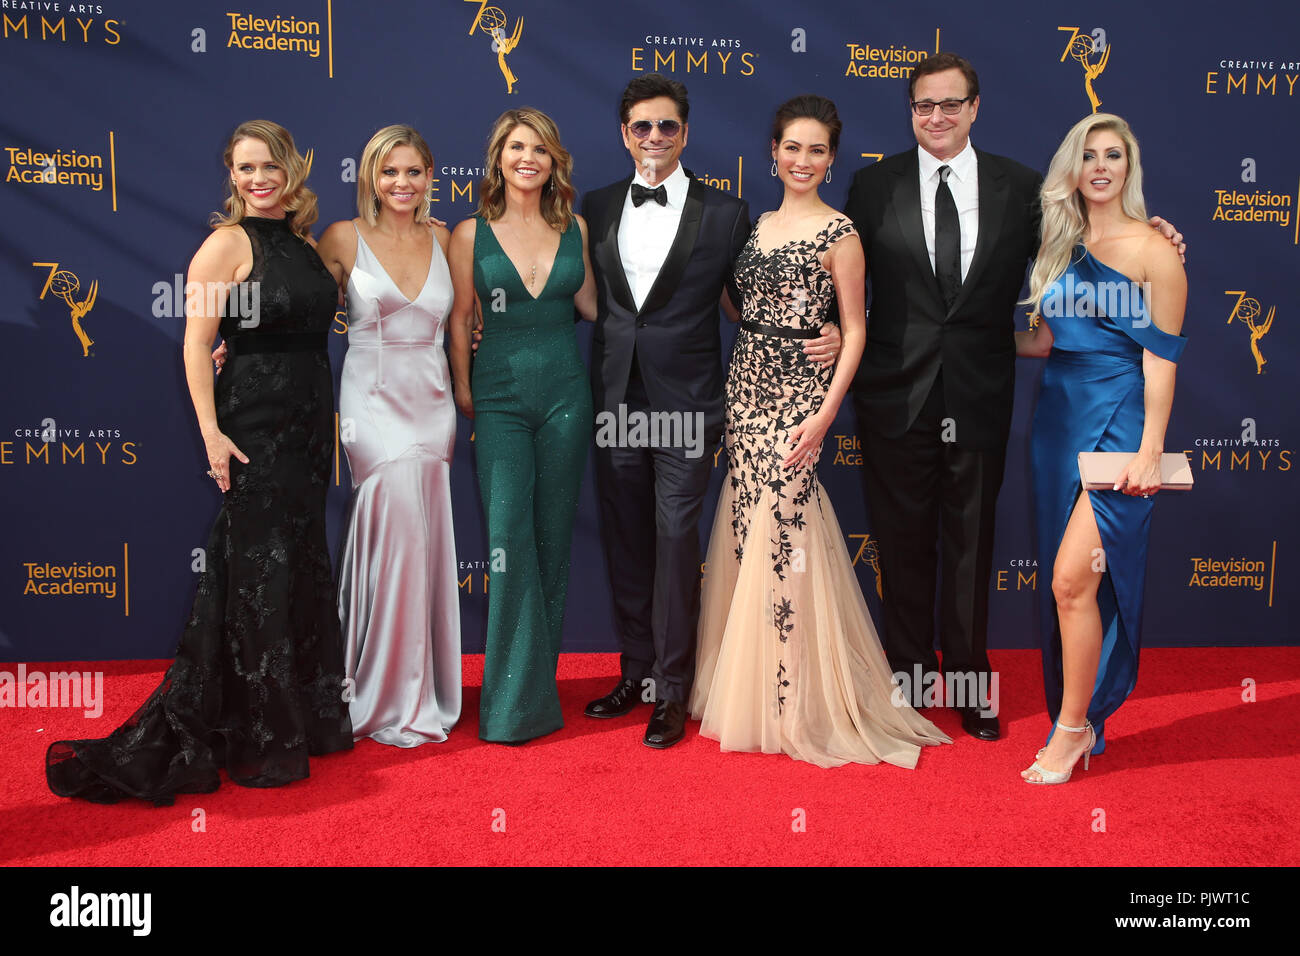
(1192, 776)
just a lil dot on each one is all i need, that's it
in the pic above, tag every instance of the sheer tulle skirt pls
(824, 694)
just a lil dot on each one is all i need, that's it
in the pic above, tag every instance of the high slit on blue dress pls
(1093, 399)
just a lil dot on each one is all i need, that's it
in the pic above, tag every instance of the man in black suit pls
(948, 232)
(662, 249)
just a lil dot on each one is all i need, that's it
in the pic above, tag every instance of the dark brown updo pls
(808, 106)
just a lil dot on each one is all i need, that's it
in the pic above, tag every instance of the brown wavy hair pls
(558, 192)
(299, 201)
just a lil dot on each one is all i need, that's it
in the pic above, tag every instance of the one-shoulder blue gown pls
(1092, 399)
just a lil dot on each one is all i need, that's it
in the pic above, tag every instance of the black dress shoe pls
(667, 725)
(978, 726)
(617, 702)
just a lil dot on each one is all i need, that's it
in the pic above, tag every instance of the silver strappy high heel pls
(1060, 776)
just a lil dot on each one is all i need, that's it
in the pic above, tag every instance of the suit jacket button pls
(640, 325)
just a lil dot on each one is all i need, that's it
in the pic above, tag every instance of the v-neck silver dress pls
(398, 601)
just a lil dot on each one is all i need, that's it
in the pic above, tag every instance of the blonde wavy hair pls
(299, 201)
(558, 192)
(1065, 215)
(372, 161)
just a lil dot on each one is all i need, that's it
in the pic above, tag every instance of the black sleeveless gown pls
(257, 684)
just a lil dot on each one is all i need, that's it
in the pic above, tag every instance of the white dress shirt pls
(963, 183)
(646, 232)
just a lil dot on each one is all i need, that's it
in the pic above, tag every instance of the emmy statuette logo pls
(66, 285)
(1092, 51)
(492, 22)
(1247, 311)
(869, 551)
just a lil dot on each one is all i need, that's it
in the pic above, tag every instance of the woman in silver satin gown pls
(397, 423)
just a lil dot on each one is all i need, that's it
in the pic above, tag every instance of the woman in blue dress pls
(1109, 291)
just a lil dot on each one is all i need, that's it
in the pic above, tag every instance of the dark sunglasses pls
(641, 128)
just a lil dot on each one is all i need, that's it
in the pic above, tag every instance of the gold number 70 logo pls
(1093, 42)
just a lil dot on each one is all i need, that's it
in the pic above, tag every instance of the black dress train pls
(257, 684)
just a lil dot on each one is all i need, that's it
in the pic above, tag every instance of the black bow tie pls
(640, 194)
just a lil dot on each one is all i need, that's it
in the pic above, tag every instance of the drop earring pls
(828, 174)
(774, 167)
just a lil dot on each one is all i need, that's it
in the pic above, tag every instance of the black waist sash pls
(778, 330)
(255, 343)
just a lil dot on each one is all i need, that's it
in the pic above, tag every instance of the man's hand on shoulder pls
(1175, 237)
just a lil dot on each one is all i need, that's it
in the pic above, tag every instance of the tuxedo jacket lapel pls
(993, 192)
(688, 228)
(907, 209)
(607, 252)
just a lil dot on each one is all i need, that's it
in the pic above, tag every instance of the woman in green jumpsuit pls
(521, 264)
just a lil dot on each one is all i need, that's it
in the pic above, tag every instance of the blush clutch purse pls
(1099, 469)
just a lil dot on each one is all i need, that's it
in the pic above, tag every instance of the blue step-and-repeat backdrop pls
(116, 112)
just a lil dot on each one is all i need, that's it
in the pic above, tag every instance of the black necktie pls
(947, 240)
(640, 194)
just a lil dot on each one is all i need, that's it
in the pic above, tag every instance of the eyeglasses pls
(641, 128)
(949, 107)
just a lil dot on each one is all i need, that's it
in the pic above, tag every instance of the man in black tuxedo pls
(662, 248)
(948, 232)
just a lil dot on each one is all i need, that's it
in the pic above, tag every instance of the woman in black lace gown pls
(257, 684)
(787, 659)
